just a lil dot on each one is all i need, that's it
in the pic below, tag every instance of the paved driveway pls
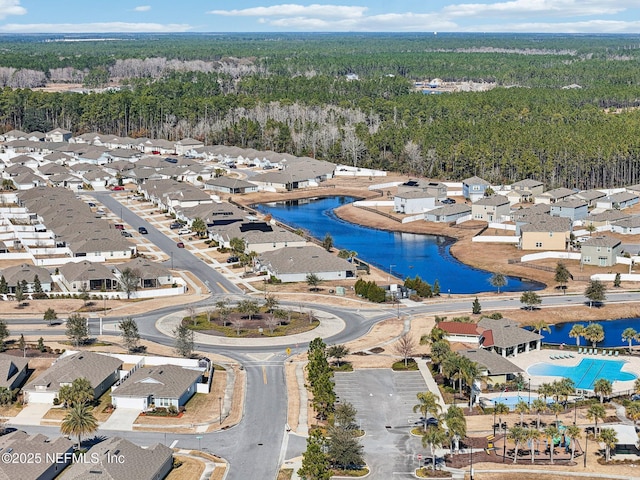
(121, 419)
(31, 414)
(384, 400)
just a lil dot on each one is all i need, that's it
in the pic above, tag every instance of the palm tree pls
(566, 387)
(594, 333)
(470, 372)
(577, 331)
(518, 434)
(456, 423)
(609, 437)
(552, 432)
(636, 385)
(452, 368)
(533, 435)
(546, 390)
(501, 409)
(439, 351)
(633, 411)
(434, 437)
(602, 387)
(556, 409)
(541, 326)
(538, 406)
(428, 404)
(521, 407)
(596, 412)
(79, 421)
(629, 335)
(574, 433)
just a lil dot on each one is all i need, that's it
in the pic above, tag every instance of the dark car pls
(175, 225)
(448, 201)
(142, 230)
(91, 204)
(126, 234)
(180, 244)
(233, 259)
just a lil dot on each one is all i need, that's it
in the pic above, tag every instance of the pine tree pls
(476, 308)
(315, 463)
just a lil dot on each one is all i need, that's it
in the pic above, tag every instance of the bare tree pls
(192, 315)
(236, 322)
(405, 347)
(352, 146)
(271, 321)
(414, 156)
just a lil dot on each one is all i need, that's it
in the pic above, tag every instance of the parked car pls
(117, 188)
(175, 225)
(126, 234)
(91, 204)
(119, 226)
(184, 231)
(448, 201)
(233, 259)
(180, 244)
(142, 230)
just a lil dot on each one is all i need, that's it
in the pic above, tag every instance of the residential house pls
(490, 209)
(217, 213)
(522, 213)
(230, 185)
(572, 208)
(13, 135)
(49, 456)
(527, 189)
(186, 144)
(413, 202)
(474, 188)
(171, 195)
(159, 385)
(13, 371)
(447, 213)
(627, 226)
(25, 272)
(66, 180)
(608, 217)
(89, 276)
(28, 181)
(258, 236)
(601, 251)
(101, 371)
(545, 232)
(553, 196)
(151, 274)
(461, 332)
(437, 189)
(618, 201)
(295, 173)
(36, 136)
(157, 146)
(495, 368)
(138, 463)
(293, 264)
(590, 196)
(57, 135)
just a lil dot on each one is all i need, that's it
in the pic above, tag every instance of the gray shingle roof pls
(20, 442)
(494, 363)
(139, 463)
(10, 367)
(602, 241)
(452, 209)
(475, 181)
(527, 183)
(547, 223)
(569, 203)
(493, 201)
(84, 271)
(25, 271)
(309, 259)
(558, 193)
(92, 366)
(161, 381)
(607, 215)
(510, 336)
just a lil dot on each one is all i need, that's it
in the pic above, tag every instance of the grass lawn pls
(299, 324)
(400, 366)
(350, 473)
(190, 469)
(285, 474)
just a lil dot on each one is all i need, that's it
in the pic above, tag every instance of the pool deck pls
(524, 361)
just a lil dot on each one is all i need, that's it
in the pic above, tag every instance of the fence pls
(495, 239)
(413, 218)
(384, 214)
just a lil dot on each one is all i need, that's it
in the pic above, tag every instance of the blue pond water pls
(585, 373)
(612, 332)
(402, 254)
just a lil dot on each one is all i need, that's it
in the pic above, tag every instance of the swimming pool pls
(511, 399)
(585, 373)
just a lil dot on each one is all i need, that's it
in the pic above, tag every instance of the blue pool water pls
(511, 399)
(402, 254)
(585, 373)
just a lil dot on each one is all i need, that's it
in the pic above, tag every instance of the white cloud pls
(600, 26)
(11, 7)
(294, 10)
(142, 8)
(112, 27)
(548, 8)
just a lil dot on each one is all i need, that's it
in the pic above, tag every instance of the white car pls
(184, 231)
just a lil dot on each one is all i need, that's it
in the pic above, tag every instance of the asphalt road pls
(256, 446)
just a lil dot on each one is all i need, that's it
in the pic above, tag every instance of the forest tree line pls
(279, 99)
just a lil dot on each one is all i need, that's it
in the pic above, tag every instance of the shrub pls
(173, 410)
(56, 401)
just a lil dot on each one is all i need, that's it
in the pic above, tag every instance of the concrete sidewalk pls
(431, 383)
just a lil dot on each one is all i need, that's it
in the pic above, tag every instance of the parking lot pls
(384, 400)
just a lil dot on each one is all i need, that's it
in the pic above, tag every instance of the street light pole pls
(220, 401)
(504, 442)
(171, 259)
(494, 417)
(529, 393)
(586, 443)
(471, 467)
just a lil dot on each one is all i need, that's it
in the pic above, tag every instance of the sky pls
(165, 16)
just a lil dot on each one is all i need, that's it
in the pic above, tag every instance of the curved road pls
(256, 447)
